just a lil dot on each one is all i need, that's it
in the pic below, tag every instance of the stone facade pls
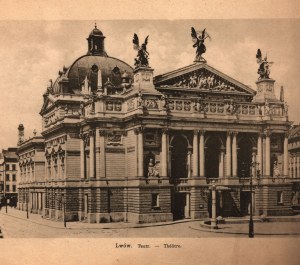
(9, 176)
(122, 145)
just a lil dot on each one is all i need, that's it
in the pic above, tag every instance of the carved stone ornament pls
(202, 79)
(114, 139)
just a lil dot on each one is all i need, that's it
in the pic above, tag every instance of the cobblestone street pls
(15, 225)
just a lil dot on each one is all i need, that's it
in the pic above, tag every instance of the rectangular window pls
(14, 188)
(14, 177)
(7, 177)
(6, 167)
(155, 201)
(13, 167)
(279, 197)
(7, 188)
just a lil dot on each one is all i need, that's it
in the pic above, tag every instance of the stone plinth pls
(143, 79)
(265, 90)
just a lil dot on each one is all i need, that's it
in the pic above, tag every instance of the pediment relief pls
(201, 78)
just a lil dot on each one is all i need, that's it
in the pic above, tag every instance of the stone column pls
(228, 154)
(195, 154)
(254, 166)
(82, 157)
(201, 154)
(140, 152)
(102, 154)
(97, 154)
(92, 153)
(189, 161)
(221, 164)
(264, 156)
(187, 206)
(164, 150)
(298, 170)
(295, 166)
(234, 155)
(285, 156)
(268, 155)
(259, 152)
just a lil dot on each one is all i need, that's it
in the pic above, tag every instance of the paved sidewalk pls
(38, 219)
(290, 228)
(278, 226)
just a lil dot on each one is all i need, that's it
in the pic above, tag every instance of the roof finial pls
(95, 25)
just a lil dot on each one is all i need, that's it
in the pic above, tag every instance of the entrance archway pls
(179, 155)
(212, 151)
(244, 157)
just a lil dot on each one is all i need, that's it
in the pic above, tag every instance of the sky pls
(32, 52)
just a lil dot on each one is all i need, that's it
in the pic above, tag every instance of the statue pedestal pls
(265, 90)
(199, 60)
(143, 79)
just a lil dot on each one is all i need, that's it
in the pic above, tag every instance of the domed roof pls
(111, 69)
(96, 31)
(89, 66)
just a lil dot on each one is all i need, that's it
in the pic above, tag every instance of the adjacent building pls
(8, 176)
(294, 165)
(121, 145)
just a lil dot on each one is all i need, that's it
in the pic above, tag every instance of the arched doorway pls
(212, 157)
(244, 160)
(244, 157)
(179, 170)
(179, 156)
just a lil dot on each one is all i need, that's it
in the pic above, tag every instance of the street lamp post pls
(256, 171)
(251, 224)
(64, 209)
(5, 204)
(213, 221)
(26, 199)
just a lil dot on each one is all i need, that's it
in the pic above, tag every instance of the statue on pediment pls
(142, 56)
(264, 66)
(198, 39)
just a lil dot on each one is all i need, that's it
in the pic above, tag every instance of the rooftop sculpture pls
(264, 66)
(198, 39)
(142, 56)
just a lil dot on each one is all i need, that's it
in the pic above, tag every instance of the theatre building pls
(121, 145)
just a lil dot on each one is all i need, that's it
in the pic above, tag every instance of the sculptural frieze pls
(142, 58)
(264, 65)
(202, 80)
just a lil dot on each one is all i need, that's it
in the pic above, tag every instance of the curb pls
(103, 228)
(217, 231)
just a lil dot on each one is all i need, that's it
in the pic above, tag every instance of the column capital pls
(235, 133)
(139, 130)
(91, 132)
(228, 133)
(267, 133)
(102, 132)
(165, 130)
(287, 134)
(196, 132)
(201, 132)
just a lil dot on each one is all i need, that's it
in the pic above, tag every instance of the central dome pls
(111, 69)
(89, 66)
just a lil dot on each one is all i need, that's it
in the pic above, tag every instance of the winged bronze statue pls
(142, 56)
(198, 39)
(264, 65)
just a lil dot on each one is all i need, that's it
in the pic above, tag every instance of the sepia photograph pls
(150, 133)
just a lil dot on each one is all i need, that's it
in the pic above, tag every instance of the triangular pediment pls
(200, 77)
